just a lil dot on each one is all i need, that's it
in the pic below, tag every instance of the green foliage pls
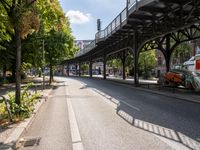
(26, 107)
(114, 63)
(4, 36)
(84, 68)
(147, 62)
(3, 112)
(55, 31)
(182, 52)
(26, 66)
(36, 20)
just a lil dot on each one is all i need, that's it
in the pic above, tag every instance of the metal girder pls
(175, 38)
(153, 9)
(157, 23)
(143, 17)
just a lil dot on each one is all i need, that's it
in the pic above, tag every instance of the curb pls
(11, 141)
(171, 95)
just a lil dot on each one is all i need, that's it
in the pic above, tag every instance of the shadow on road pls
(172, 119)
(7, 146)
(157, 129)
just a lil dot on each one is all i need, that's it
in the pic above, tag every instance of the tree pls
(116, 65)
(26, 17)
(55, 32)
(23, 19)
(84, 68)
(4, 40)
(57, 48)
(182, 52)
(147, 62)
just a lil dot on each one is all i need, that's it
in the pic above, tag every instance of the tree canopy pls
(24, 27)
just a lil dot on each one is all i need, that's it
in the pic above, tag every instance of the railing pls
(86, 49)
(132, 3)
(123, 15)
(110, 29)
(100, 36)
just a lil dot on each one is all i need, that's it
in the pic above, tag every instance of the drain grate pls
(28, 142)
(32, 142)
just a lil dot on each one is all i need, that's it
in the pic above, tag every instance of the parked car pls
(190, 64)
(188, 79)
(174, 78)
(196, 81)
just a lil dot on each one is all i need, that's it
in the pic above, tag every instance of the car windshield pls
(191, 59)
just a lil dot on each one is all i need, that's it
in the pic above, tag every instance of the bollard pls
(7, 108)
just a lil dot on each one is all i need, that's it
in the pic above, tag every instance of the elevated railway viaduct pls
(143, 25)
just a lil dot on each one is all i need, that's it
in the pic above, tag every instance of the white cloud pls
(77, 17)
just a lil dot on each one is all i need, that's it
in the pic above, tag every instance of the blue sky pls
(83, 15)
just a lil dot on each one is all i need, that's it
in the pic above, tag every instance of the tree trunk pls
(4, 71)
(51, 73)
(18, 66)
(13, 71)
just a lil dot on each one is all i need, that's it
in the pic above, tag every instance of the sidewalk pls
(10, 134)
(11, 86)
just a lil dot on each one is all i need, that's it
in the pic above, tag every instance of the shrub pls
(26, 107)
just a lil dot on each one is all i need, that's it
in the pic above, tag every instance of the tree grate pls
(31, 142)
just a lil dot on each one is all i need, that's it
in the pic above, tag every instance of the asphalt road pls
(93, 114)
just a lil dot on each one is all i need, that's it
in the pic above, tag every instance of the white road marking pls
(130, 105)
(174, 144)
(113, 100)
(75, 134)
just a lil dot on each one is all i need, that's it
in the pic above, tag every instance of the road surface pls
(93, 114)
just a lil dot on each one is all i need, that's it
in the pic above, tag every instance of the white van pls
(190, 64)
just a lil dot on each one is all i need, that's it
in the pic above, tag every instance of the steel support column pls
(124, 65)
(168, 53)
(136, 57)
(76, 65)
(68, 69)
(63, 69)
(90, 68)
(104, 67)
(79, 73)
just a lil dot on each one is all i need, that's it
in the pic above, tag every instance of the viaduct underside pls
(143, 25)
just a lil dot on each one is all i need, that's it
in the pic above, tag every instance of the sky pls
(83, 15)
